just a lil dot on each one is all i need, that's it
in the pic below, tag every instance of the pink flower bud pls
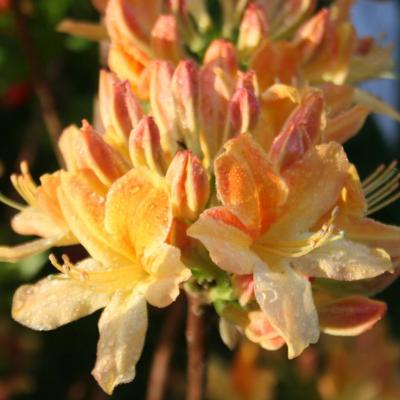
(86, 149)
(350, 316)
(120, 110)
(165, 40)
(221, 53)
(253, 29)
(244, 288)
(215, 91)
(310, 35)
(243, 114)
(185, 93)
(144, 146)
(259, 330)
(163, 106)
(189, 185)
(301, 131)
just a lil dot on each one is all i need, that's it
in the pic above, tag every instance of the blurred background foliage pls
(57, 365)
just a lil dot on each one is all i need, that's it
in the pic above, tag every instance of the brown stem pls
(42, 90)
(195, 338)
(164, 350)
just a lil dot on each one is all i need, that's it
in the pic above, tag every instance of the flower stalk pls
(195, 339)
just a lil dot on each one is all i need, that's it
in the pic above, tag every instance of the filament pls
(381, 187)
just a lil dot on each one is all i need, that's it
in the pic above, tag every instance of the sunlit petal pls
(137, 209)
(315, 183)
(226, 239)
(344, 260)
(286, 299)
(247, 183)
(167, 271)
(122, 326)
(84, 211)
(54, 301)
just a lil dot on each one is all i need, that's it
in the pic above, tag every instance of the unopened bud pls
(302, 130)
(215, 90)
(86, 149)
(253, 29)
(221, 53)
(259, 330)
(247, 80)
(144, 146)
(185, 92)
(165, 40)
(120, 110)
(189, 185)
(350, 316)
(243, 112)
(310, 35)
(163, 106)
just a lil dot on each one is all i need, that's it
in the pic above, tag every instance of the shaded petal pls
(347, 124)
(286, 299)
(315, 183)
(82, 200)
(122, 326)
(226, 239)
(32, 221)
(21, 251)
(137, 209)
(247, 183)
(344, 260)
(54, 301)
(163, 263)
(372, 233)
(350, 316)
(364, 287)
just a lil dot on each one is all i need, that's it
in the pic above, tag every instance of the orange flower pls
(281, 227)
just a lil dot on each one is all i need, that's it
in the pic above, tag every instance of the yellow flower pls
(124, 230)
(41, 217)
(281, 227)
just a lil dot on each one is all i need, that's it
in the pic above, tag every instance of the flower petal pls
(226, 239)
(137, 209)
(21, 251)
(82, 200)
(167, 270)
(247, 183)
(315, 183)
(344, 260)
(372, 233)
(32, 221)
(122, 326)
(54, 301)
(286, 299)
(350, 316)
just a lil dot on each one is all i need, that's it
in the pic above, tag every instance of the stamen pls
(24, 184)
(107, 280)
(369, 185)
(381, 187)
(300, 248)
(11, 203)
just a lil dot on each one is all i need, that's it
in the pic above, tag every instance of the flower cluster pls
(218, 167)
